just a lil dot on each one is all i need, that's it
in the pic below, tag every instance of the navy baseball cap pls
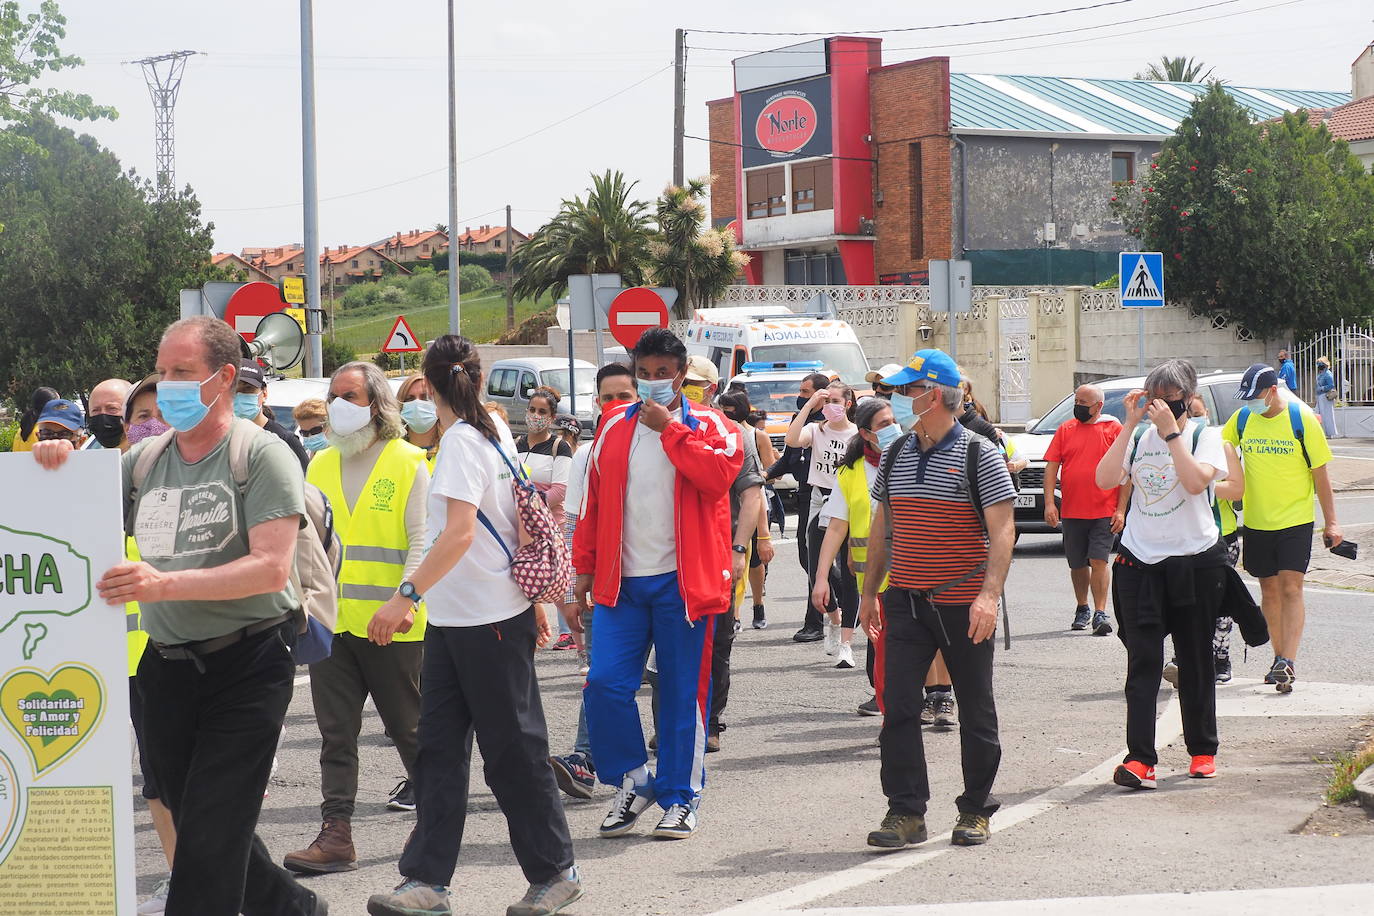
(63, 413)
(251, 373)
(933, 365)
(1257, 379)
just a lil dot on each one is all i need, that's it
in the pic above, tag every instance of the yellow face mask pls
(694, 393)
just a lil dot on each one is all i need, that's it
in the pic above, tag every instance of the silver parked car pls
(510, 382)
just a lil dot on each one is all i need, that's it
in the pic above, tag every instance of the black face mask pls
(801, 402)
(107, 429)
(1082, 414)
(1177, 408)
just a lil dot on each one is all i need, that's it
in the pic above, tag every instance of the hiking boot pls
(575, 775)
(550, 896)
(808, 634)
(678, 823)
(713, 743)
(1204, 766)
(402, 797)
(1223, 669)
(630, 802)
(411, 898)
(1102, 624)
(1171, 673)
(944, 711)
(869, 707)
(332, 851)
(760, 618)
(928, 709)
(1284, 675)
(832, 639)
(844, 656)
(1081, 618)
(970, 830)
(1134, 775)
(898, 830)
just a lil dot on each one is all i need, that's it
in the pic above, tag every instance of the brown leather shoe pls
(712, 743)
(332, 850)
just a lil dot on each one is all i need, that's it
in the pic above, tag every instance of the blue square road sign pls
(1142, 279)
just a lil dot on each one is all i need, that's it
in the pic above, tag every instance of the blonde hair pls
(494, 407)
(410, 381)
(310, 409)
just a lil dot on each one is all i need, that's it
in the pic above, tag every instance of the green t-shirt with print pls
(192, 516)
(1278, 483)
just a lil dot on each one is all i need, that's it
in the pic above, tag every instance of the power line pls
(494, 149)
(927, 28)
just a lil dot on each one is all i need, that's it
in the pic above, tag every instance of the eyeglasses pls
(923, 387)
(48, 435)
(312, 431)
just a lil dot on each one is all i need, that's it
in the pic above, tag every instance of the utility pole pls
(454, 308)
(510, 281)
(164, 84)
(310, 195)
(679, 104)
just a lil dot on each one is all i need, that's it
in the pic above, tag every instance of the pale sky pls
(381, 88)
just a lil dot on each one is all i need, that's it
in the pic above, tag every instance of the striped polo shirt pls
(936, 535)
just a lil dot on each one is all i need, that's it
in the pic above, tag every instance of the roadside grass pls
(1345, 769)
(483, 320)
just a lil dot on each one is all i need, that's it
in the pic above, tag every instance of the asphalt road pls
(795, 789)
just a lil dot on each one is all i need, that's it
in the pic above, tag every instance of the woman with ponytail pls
(478, 675)
(27, 434)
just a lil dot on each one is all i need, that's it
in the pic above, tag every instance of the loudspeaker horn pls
(278, 341)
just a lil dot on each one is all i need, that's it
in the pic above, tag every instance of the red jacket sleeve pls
(584, 537)
(709, 456)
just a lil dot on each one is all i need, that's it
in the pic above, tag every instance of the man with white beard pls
(377, 484)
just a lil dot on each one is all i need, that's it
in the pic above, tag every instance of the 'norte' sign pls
(786, 122)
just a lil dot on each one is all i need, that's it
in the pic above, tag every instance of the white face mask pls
(346, 418)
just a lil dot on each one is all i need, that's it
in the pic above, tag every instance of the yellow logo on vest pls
(382, 492)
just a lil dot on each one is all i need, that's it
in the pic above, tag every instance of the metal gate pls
(1349, 348)
(1013, 365)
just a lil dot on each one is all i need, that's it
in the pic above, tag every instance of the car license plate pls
(1026, 501)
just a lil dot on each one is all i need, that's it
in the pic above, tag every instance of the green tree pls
(685, 253)
(473, 278)
(92, 262)
(607, 233)
(1176, 70)
(28, 49)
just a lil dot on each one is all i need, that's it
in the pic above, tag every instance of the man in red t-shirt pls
(1088, 513)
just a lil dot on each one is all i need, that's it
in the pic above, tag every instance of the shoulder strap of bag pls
(142, 467)
(1241, 419)
(1135, 441)
(885, 478)
(972, 455)
(486, 523)
(1295, 420)
(241, 436)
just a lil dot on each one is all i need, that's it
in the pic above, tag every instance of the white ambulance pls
(731, 337)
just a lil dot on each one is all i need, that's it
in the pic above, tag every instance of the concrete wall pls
(1009, 187)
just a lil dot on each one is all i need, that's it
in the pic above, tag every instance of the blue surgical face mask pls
(888, 435)
(246, 406)
(659, 390)
(180, 404)
(316, 443)
(902, 408)
(1257, 405)
(420, 416)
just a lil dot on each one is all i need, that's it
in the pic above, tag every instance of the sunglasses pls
(49, 435)
(312, 431)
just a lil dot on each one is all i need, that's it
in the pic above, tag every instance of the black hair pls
(863, 418)
(735, 405)
(756, 417)
(453, 368)
(737, 386)
(661, 342)
(818, 380)
(550, 395)
(611, 370)
(29, 418)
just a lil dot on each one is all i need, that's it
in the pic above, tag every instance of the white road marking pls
(302, 679)
(1336, 898)
(1250, 697)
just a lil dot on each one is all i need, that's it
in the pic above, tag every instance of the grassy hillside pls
(483, 319)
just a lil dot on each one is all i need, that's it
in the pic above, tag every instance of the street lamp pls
(926, 330)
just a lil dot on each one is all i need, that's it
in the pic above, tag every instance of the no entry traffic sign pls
(633, 312)
(250, 304)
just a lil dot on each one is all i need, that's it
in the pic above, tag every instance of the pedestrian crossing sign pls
(1141, 279)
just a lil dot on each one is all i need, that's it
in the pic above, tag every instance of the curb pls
(1364, 788)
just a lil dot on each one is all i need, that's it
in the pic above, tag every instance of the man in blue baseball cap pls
(944, 498)
(62, 420)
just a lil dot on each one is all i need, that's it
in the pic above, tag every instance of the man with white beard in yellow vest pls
(377, 484)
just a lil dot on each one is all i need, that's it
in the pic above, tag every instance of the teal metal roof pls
(1060, 105)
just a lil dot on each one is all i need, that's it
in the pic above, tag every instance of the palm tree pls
(1176, 70)
(606, 233)
(699, 261)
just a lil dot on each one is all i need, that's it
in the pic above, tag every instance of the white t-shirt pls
(648, 541)
(479, 590)
(827, 451)
(837, 507)
(577, 481)
(1164, 519)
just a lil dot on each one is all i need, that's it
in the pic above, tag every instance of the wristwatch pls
(1172, 436)
(408, 592)
(739, 548)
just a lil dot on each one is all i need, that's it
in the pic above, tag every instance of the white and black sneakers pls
(629, 803)
(677, 823)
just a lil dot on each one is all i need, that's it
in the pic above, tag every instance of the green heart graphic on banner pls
(53, 714)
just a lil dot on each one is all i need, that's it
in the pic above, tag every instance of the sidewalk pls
(1350, 474)
(1328, 569)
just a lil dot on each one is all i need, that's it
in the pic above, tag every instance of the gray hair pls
(951, 396)
(388, 418)
(1173, 373)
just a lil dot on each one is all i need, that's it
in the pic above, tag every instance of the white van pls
(731, 337)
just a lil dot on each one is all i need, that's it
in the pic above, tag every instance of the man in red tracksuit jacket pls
(653, 551)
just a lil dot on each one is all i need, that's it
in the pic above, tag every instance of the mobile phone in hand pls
(1348, 549)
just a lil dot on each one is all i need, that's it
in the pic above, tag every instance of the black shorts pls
(136, 715)
(1086, 539)
(754, 561)
(1267, 553)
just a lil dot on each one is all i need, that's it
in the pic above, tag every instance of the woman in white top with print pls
(1171, 574)
(828, 438)
(547, 457)
(478, 674)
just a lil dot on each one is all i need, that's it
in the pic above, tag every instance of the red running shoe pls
(1134, 775)
(1204, 766)
(565, 642)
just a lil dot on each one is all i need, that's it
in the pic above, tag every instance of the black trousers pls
(844, 586)
(915, 630)
(481, 680)
(723, 642)
(210, 737)
(803, 492)
(1192, 628)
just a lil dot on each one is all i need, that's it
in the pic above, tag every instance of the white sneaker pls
(678, 823)
(157, 903)
(629, 803)
(845, 656)
(832, 638)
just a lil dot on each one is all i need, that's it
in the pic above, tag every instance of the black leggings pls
(844, 587)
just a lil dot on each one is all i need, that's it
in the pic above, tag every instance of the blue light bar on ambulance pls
(794, 364)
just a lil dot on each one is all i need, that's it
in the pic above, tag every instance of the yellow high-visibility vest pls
(133, 621)
(373, 533)
(853, 483)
